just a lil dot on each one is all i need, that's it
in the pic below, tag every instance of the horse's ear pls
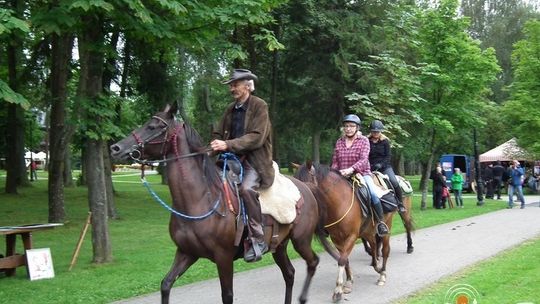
(171, 108)
(295, 165)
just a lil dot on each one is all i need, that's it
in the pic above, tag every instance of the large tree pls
(522, 111)
(457, 87)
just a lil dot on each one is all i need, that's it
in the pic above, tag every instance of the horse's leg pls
(367, 249)
(302, 245)
(225, 270)
(407, 223)
(181, 263)
(287, 269)
(385, 253)
(347, 288)
(344, 247)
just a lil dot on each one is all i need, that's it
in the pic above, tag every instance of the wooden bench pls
(12, 260)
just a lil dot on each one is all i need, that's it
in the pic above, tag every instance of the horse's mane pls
(195, 143)
(321, 171)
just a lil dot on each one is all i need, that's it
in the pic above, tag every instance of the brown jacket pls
(256, 143)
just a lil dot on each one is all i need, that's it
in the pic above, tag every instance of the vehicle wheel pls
(472, 187)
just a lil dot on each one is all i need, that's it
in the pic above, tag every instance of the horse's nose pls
(115, 149)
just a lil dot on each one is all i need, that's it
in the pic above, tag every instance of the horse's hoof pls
(410, 249)
(382, 280)
(336, 297)
(347, 287)
(380, 283)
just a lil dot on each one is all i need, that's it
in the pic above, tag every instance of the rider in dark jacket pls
(380, 158)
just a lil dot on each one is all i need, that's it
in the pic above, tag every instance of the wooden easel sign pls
(39, 263)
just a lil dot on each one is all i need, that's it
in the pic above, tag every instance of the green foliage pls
(102, 126)
(523, 110)
(10, 24)
(457, 89)
(10, 96)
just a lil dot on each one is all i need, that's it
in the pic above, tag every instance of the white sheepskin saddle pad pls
(280, 199)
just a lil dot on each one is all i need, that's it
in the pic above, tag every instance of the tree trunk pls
(400, 168)
(315, 147)
(97, 201)
(427, 171)
(273, 102)
(92, 57)
(61, 55)
(15, 164)
(125, 69)
(107, 165)
(68, 173)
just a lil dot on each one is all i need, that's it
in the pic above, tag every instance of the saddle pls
(387, 197)
(280, 203)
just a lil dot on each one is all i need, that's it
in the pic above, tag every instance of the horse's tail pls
(406, 217)
(320, 230)
(408, 222)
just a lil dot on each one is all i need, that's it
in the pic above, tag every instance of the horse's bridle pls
(138, 149)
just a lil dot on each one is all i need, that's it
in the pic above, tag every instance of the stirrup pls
(255, 252)
(382, 229)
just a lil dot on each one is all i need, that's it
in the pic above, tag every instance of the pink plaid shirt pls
(357, 156)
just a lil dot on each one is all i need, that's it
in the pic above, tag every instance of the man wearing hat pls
(245, 130)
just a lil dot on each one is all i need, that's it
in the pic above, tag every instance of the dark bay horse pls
(203, 224)
(344, 222)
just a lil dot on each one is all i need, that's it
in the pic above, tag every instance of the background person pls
(457, 186)
(498, 173)
(515, 184)
(439, 183)
(488, 178)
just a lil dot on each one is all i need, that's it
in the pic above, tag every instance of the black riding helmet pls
(352, 118)
(376, 126)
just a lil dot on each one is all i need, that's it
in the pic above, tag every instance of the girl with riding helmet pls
(380, 158)
(351, 156)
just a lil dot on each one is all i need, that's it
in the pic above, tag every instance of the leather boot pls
(382, 229)
(258, 246)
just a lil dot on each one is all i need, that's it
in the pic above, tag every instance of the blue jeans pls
(519, 192)
(371, 186)
(458, 197)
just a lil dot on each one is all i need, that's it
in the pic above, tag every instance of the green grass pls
(510, 277)
(142, 249)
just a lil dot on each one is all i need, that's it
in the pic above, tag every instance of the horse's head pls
(306, 173)
(149, 141)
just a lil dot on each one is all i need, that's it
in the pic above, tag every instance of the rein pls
(173, 138)
(180, 214)
(355, 182)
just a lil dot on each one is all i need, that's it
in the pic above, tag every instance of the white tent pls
(505, 152)
(39, 157)
(36, 156)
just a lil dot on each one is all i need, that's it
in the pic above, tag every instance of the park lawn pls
(142, 249)
(509, 277)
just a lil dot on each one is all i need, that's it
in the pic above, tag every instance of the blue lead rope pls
(179, 214)
(226, 156)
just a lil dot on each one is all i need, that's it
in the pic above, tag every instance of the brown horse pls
(202, 224)
(406, 217)
(344, 222)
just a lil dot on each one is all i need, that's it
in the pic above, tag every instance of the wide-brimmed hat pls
(239, 74)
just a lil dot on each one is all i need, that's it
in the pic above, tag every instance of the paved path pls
(439, 252)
